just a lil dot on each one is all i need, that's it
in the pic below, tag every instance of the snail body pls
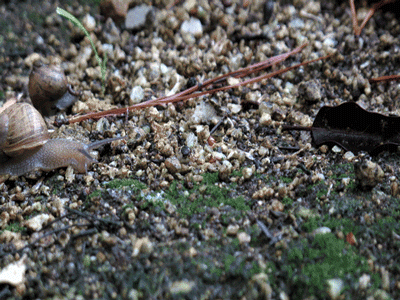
(49, 89)
(26, 145)
(54, 154)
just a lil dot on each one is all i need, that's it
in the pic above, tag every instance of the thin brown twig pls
(243, 83)
(385, 78)
(194, 91)
(358, 28)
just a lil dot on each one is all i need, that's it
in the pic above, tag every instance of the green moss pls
(15, 227)
(309, 264)
(95, 194)
(208, 193)
(128, 182)
(56, 185)
(86, 261)
(345, 225)
(287, 201)
(286, 179)
(227, 267)
(383, 227)
(153, 202)
(347, 168)
(229, 260)
(393, 207)
(237, 173)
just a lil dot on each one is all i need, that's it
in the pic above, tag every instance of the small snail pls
(26, 144)
(49, 89)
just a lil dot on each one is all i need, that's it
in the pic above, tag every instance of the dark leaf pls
(354, 129)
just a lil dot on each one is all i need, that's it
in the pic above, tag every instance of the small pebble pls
(14, 273)
(115, 9)
(36, 223)
(138, 16)
(264, 193)
(234, 108)
(364, 281)
(173, 165)
(247, 173)
(310, 91)
(335, 287)
(142, 245)
(346, 181)
(336, 149)
(322, 230)
(368, 174)
(296, 23)
(243, 238)
(89, 23)
(277, 205)
(349, 156)
(265, 119)
(181, 287)
(232, 229)
(136, 95)
(192, 26)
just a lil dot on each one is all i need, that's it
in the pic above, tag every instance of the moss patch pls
(310, 263)
(208, 193)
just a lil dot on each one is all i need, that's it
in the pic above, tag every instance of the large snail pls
(49, 89)
(26, 145)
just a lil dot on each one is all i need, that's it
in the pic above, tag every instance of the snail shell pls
(26, 145)
(23, 128)
(49, 89)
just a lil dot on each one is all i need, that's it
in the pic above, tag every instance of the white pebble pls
(234, 108)
(89, 23)
(346, 181)
(335, 287)
(322, 230)
(232, 229)
(265, 119)
(336, 149)
(296, 23)
(36, 223)
(247, 173)
(192, 26)
(330, 42)
(136, 96)
(243, 237)
(349, 156)
(191, 140)
(364, 281)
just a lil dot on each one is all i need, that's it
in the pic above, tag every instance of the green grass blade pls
(76, 22)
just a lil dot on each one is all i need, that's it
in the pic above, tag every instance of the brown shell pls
(47, 84)
(26, 129)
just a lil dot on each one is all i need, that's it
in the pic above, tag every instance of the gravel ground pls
(170, 213)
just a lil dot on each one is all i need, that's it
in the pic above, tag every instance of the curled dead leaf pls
(353, 128)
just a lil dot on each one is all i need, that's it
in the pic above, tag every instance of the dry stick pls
(237, 74)
(385, 78)
(357, 29)
(246, 82)
(242, 72)
(191, 92)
